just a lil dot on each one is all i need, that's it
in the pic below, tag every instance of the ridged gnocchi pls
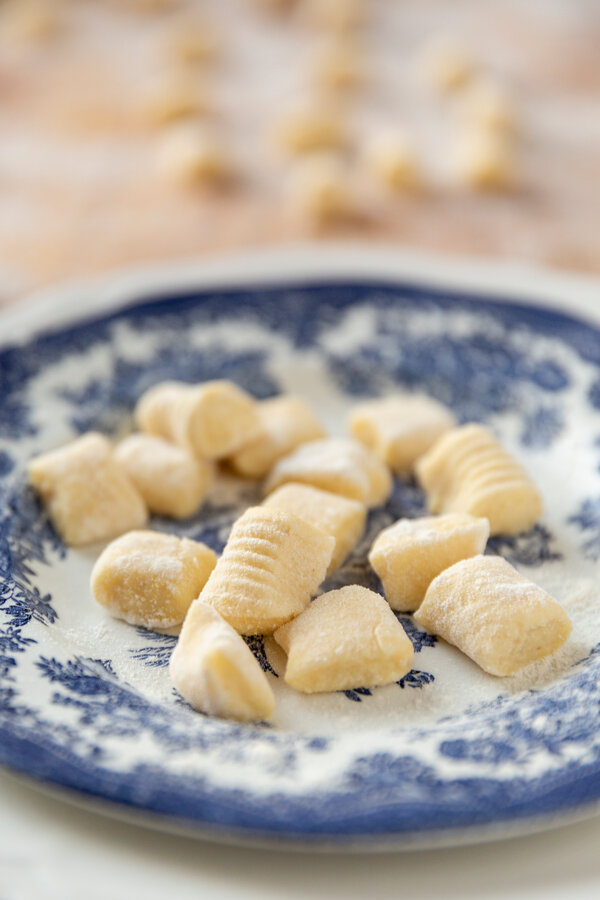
(285, 423)
(171, 480)
(339, 465)
(468, 471)
(340, 517)
(271, 566)
(150, 579)
(488, 610)
(87, 493)
(215, 671)
(400, 428)
(345, 639)
(213, 419)
(408, 555)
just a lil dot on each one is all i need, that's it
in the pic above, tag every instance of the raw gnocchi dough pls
(485, 160)
(150, 579)
(194, 155)
(320, 191)
(400, 428)
(488, 610)
(285, 423)
(272, 564)
(393, 162)
(171, 480)
(469, 471)
(214, 419)
(340, 517)
(345, 639)
(339, 465)
(311, 127)
(408, 555)
(215, 671)
(87, 493)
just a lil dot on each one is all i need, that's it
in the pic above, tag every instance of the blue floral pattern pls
(86, 721)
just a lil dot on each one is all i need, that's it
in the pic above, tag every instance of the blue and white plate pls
(447, 754)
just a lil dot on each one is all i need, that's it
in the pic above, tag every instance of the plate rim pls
(55, 308)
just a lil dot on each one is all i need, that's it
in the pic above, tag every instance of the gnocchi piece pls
(337, 15)
(193, 43)
(174, 97)
(214, 419)
(150, 579)
(320, 191)
(33, 21)
(486, 161)
(272, 564)
(487, 106)
(286, 422)
(446, 66)
(87, 493)
(214, 670)
(171, 480)
(488, 610)
(408, 555)
(310, 128)
(340, 517)
(339, 67)
(345, 639)
(393, 162)
(400, 428)
(468, 471)
(339, 465)
(193, 155)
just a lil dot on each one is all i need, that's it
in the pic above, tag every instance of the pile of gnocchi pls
(318, 490)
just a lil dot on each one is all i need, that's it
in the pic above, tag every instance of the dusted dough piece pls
(214, 419)
(446, 66)
(193, 42)
(272, 564)
(310, 128)
(339, 67)
(174, 97)
(193, 155)
(286, 422)
(486, 160)
(339, 465)
(408, 555)
(340, 517)
(150, 579)
(345, 639)
(488, 610)
(171, 480)
(393, 162)
(86, 492)
(486, 105)
(336, 15)
(399, 429)
(321, 191)
(215, 671)
(469, 471)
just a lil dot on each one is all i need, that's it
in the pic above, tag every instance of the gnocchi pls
(339, 465)
(400, 428)
(340, 517)
(193, 155)
(285, 423)
(408, 555)
(493, 614)
(468, 471)
(320, 191)
(345, 639)
(485, 160)
(150, 579)
(215, 671)
(393, 162)
(171, 480)
(87, 493)
(272, 564)
(311, 127)
(214, 419)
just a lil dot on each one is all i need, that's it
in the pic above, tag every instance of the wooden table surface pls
(81, 192)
